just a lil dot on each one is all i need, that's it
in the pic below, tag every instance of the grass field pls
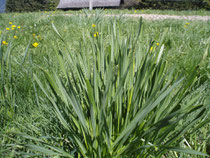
(126, 11)
(104, 87)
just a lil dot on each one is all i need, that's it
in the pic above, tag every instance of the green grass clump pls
(111, 90)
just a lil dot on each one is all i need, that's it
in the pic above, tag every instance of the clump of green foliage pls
(121, 102)
(104, 89)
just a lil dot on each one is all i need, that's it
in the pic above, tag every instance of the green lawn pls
(129, 11)
(35, 59)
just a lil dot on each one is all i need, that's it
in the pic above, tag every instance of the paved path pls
(157, 16)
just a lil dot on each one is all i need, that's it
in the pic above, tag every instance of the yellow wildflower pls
(95, 35)
(18, 27)
(7, 28)
(135, 11)
(151, 48)
(187, 23)
(35, 45)
(10, 23)
(15, 37)
(34, 34)
(13, 26)
(93, 25)
(4, 43)
(157, 44)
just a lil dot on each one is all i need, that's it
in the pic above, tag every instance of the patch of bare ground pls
(157, 16)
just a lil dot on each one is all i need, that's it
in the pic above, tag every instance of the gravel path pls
(162, 17)
(157, 16)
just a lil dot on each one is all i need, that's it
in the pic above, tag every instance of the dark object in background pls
(2, 6)
(167, 4)
(30, 5)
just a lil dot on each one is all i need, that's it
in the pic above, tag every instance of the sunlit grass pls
(37, 44)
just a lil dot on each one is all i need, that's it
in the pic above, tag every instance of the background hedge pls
(167, 4)
(30, 5)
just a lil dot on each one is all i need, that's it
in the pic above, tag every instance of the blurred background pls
(49, 5)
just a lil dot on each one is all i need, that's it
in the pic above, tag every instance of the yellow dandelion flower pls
(4, 43)
(157, 44)
(13, 26)
(10, 23)
(93, 25)
(187, 23)
(151, 48)
(15, 37)
(95, 35)
(7, 29)
(18, 27)
(35, 44)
